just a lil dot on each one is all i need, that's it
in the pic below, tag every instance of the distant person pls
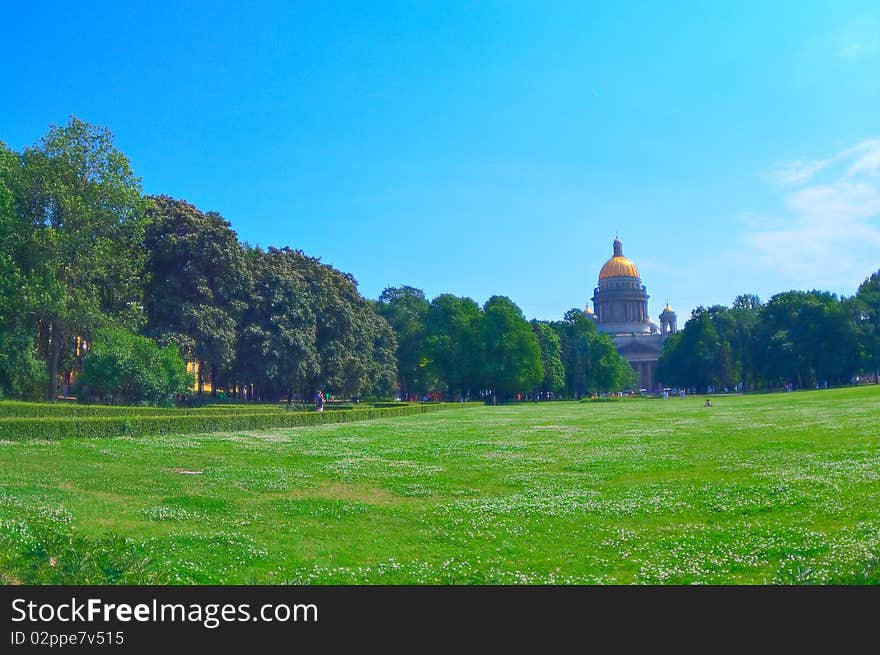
(708, 404)
(319, 401)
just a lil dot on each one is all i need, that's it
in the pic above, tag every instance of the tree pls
(609, 371)
(512, 355)
(808, 337)
(21, 372)
(454, 353)
(747, 301)
(695, 357)
(355, 346)
(590, 358)
(746, 314)
(553, 380)
(715, 348)
(84, 205)
(867, 309)
(124, 368)
(197, 284)
(277, 339)
(308, 328)
(671, 366)
(734, 343)
(576, 333)
(405, 308)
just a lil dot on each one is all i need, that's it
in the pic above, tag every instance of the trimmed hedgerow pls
(144, 425)
(65, 409)
(12, 409)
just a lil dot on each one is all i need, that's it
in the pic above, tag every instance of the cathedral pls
(620, 309)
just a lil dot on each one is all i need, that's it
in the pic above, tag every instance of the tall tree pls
(868, 311)
(512, 355)
(715, 348)
(553, 380)
(452, 344)
(21, 371)
(806, 338)
(671, 367)
(85, 205)
(746, 313)
(356, 347)
(197, 284)
(576, 333)
(695, 357)
(590, 358)
(608, 371)
(277, 350)
(405, 308)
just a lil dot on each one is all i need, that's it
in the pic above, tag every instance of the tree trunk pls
(213, 381)
(54, 356)
(201, 378)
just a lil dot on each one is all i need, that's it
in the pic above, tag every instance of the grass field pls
(781, 488)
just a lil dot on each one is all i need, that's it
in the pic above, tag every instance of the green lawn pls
(755, 489)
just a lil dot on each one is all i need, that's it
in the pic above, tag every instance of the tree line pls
(94, 274)
(453, 345)
(798, 339)
(123, 289)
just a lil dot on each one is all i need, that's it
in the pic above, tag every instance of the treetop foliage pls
(82, 250)
(798, 338)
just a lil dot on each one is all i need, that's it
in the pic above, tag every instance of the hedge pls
(68, 409)
(11, 409)
(136, 426)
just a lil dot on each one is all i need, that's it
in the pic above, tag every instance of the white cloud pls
(841, 202)
(856, 40)
(857, 51)
(829, 235)
(798, 172)
(864, 158)
(868, 161)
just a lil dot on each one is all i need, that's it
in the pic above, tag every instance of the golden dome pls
(668, 309)
(618, 265)
(588, 311)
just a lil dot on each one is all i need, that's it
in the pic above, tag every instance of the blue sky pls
(490, 148)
